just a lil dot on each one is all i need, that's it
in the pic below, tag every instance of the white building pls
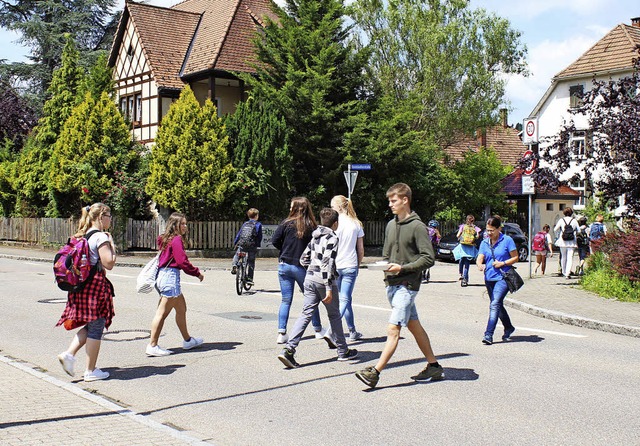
(610, 58)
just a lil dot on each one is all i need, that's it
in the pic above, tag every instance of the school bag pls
(568, 233)
(248, 235)
(469, 235)
(597, 231)
(539, 241)
(71, 266)
(581, 237)
(433, 236)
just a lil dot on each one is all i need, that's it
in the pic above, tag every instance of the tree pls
(94, 149)
(311, 74)
(189, 166)
(16, 117)
(442, 60)
(32, 168)
(259, 150)
(43, 25)
(99, 79)
(612, 161)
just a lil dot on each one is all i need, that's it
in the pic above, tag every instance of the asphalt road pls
(553, 384)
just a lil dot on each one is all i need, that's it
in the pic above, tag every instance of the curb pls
(571, 319)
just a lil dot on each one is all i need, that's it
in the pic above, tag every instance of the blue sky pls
(556, 33)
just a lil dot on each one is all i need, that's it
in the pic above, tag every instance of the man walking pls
(408, 248)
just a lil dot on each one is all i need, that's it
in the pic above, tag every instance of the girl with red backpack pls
(542, 247)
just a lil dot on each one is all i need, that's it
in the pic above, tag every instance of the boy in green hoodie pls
(407, 247)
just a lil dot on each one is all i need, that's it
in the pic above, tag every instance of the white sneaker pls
(328, 336)
(67, 360)
(282, 338)
(320, 334)
(354, 336)
(192, 343)
(157, 351)
(95, 375)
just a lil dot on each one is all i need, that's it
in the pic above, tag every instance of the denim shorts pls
(168, 282)
(96, 328)
(403, 307)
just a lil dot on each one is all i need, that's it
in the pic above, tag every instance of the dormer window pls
(575, 95)
(130, 51)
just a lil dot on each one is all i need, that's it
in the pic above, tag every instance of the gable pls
(504, 140)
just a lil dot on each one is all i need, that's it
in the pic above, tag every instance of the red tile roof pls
(504, 140)
(512, 185)
(614, 52)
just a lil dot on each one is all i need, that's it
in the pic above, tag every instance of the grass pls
(603, 280)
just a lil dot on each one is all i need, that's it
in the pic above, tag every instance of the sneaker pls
(250, 282)
(355, 336)
(507, 334)
(329, 338)
(192, 343)
(286, 357)
(464, 282)
(157, 351)
(430, 373)
(350, 354)
(95, 375)
(234, 269)
(369, 376)
(283, 338)
(487, 340)
(321, 333)
(67, 360)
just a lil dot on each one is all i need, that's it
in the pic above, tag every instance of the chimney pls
(481, 137)
(635, 22)
(504, 114)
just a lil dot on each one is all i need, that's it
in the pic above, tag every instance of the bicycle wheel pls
(246, 282)
(240, 276)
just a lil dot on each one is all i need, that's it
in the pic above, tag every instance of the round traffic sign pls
(531, 166)
(530, 128)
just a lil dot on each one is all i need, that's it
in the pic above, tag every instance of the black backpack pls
(568, 232)
(248, 235)
(581, 237)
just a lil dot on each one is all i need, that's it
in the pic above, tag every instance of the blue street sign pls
(360, 166)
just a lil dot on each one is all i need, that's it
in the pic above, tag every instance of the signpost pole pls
(530, 244)
(349, 182)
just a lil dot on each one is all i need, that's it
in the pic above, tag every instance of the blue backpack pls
(596, 232)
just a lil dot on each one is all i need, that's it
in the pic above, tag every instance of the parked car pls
(448, 243)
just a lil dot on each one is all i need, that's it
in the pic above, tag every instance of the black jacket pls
(285, 238)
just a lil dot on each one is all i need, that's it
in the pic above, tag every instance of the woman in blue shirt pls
(497, 255)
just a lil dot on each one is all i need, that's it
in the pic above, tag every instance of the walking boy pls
(320, 285)
(408, 248)
(248, 239)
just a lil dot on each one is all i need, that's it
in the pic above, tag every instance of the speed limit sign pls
(530, 131)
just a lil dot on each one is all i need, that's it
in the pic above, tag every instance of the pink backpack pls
(71, 266)
(539, 241)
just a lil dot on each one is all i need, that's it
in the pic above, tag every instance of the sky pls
(556, 33)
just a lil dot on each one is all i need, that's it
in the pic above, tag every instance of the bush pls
(601, 278)
(623, 249)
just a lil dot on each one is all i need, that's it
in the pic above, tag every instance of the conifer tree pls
(189, 166)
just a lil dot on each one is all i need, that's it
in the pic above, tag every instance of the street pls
(552, 384)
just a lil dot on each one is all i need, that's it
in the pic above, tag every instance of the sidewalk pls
(549, 296)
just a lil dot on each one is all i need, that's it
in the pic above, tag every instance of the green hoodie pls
(408, 244)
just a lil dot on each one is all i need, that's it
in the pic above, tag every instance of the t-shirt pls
(502, 249)
(348, 232)
(95, 242)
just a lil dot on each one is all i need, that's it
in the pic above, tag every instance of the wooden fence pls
(208, 235)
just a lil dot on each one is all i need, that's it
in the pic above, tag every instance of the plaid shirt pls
(320, 257)
(94, 301)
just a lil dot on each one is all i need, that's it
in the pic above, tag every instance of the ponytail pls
(90, 214)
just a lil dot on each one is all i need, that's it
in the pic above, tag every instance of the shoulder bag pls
(513, 279)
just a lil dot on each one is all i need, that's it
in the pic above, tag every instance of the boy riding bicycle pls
(248, 239)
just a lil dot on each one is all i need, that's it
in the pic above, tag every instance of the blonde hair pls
(252, 213)
(401, 190)
(91, 214)
(172, 229)
(344, 206)
(301, 215)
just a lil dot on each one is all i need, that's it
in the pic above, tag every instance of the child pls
(320, 285)
(248, 239)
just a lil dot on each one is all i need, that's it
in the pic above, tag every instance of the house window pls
(131, 108)
(550, 207)
(575, 95)
(578, 144)
(130, 52)
(561, 206)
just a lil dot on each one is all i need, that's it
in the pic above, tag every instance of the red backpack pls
(71, 266)
(539, 241)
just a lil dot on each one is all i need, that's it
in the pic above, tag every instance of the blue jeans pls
(289, 275)
(251, 260)
(346, 282)
(497, 291)
(463, 267)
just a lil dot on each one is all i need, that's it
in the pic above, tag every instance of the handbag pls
(147, 278)
(511, 277)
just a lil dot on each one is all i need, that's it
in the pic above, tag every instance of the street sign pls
(528, 188)
(362, 166)
(530, 131)
(350, 177)
(533, 163)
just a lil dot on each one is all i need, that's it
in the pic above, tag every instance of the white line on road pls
(32, 263)
(537, 330)
(371, 307)
(132, 277)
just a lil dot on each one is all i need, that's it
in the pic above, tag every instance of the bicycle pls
(242, 274)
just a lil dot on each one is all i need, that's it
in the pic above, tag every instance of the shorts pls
(403, 307)
(168, 282)
(96, 328)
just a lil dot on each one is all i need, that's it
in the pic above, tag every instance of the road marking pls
(132, 277)
(32, 263)
(120, 275)
(371, 307)
(536, 330)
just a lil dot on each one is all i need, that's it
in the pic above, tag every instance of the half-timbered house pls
(202, 43)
